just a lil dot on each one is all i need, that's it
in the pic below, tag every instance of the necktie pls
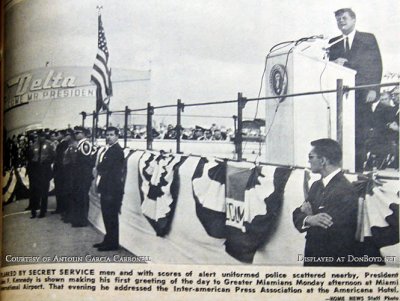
(321, 185)
(347, 49)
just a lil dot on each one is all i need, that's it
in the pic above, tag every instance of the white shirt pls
(351, 39)
(101, 157)
(374, 105)
(329, 177)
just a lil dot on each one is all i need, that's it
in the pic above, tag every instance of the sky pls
(197, 50)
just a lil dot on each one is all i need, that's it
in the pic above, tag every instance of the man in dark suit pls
(41, 158)
(111, 189)
(381, 142)
(68, 166)
(58, 171)
(358, 51)
(329, 214)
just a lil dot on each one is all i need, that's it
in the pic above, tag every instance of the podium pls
(293, 122)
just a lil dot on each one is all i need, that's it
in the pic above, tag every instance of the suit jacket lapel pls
(329, 187)
(317, 195)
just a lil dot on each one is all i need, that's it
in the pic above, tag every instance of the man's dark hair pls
(329, 149)
(341, 11)
(113, 129)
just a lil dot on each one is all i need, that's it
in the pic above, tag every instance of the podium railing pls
(241, 102)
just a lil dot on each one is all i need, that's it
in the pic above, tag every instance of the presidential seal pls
(278, 80)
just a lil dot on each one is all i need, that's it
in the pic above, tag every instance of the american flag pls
(101, 74)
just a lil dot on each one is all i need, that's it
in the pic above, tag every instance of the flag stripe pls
(101, 68)
(100, 81)
(100, 74)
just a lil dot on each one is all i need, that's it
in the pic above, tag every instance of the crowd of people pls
(381, 143)
(65, 155)
(68, 157)
(17, 146)
(212, 133)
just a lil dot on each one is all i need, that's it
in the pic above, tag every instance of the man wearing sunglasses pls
(329, 214)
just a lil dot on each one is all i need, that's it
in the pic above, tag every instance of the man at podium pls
(358, 51)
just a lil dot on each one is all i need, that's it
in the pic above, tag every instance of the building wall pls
(53, 97)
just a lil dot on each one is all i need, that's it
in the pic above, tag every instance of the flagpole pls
(94, 125)
(99, 8)
(108, 118)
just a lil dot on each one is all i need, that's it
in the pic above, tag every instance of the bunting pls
(9, 184)
(208, 184)
(15, 185)
(159, 187)
(254, 199)
(239, 204)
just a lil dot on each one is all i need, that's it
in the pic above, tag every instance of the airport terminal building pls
(54, 97)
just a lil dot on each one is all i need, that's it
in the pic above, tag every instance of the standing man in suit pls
(358, 51)
(111, 189)
(329, 214)
(58, 172)
(68, 165)
(380, 144)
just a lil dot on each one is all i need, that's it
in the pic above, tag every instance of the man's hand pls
(371, 96)
(393, 126)
(322, 220)
(340, 61)
(306, 208)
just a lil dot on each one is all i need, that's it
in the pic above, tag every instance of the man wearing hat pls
(30, 166)
(68, 165)
(41, 157)
(82, 176)
(198, 133)
(60, 180)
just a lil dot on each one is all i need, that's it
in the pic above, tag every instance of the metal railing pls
(241, 102)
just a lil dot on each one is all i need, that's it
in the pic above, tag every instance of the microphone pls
(320, 36)
(312, 44)
(333, 43)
